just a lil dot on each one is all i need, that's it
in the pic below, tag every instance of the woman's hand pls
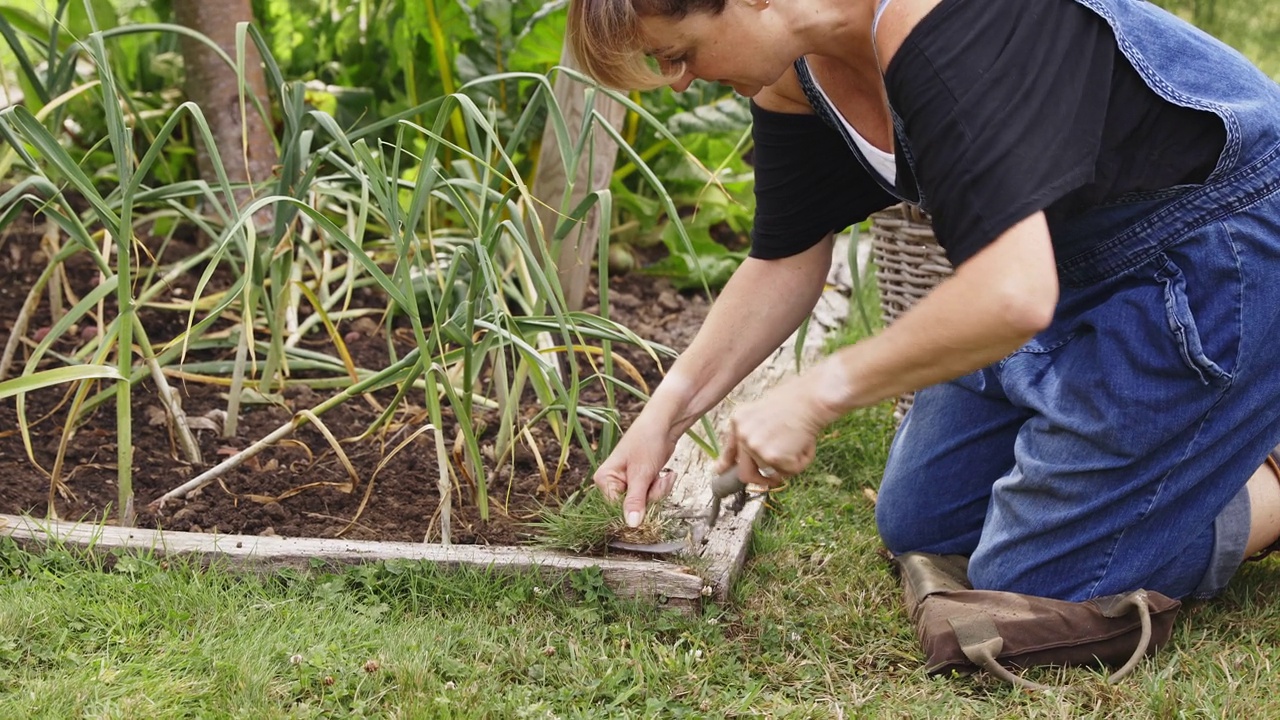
(634, 470)
(763, 303)
(776, 436)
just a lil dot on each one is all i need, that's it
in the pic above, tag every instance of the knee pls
(894, 527)
(990, 573)
(897, 520)
(1018, 573)
(1056, 569)
(917, 522)
(902, 511)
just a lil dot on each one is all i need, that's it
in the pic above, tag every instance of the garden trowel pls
(725, 484)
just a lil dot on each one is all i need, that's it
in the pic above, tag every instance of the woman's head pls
(607, 39)
(642, 44)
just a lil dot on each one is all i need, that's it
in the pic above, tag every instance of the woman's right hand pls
(634, 470)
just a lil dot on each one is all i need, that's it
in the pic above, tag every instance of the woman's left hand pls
(776, 436)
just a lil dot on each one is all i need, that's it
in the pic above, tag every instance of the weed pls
(588, 522)
(589, 583)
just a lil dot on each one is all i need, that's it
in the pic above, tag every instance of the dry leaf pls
(204, 423)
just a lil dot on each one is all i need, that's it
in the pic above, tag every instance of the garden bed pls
(297, 500)
(404, 499)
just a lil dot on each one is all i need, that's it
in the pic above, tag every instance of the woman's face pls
(739, 47)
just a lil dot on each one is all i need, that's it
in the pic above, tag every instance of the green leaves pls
(539, 44)
(12, 22)
(699, 158)
(57, 376)
(729, 116)
(590, 584)
(87, 16)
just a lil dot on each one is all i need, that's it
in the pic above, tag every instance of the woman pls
(1100, 395)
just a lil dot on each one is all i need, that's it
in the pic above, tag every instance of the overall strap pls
(881, 5)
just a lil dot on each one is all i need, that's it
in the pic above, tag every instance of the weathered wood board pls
(636, 578)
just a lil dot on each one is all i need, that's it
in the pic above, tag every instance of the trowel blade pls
(663, 548)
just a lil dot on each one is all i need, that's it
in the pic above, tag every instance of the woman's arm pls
(762, 304)
(991, 306)
(807, 186)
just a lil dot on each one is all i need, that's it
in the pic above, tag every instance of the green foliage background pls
(1251, 26)
(371, 59)
(365, 61)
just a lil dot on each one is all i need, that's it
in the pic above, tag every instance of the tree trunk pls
(574, 261)
(247, 149)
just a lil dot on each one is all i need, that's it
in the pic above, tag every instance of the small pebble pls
(668, 300)
(365, 326)
(624, 300)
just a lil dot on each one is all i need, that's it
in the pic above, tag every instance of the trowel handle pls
(727, 483)
(724, 485)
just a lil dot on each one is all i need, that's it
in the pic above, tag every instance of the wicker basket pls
(909, 263)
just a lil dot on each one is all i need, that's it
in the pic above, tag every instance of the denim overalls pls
(1111, 452)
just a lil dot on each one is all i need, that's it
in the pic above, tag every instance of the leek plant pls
(436, 217)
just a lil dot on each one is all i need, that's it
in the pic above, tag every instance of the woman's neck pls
(836, 29)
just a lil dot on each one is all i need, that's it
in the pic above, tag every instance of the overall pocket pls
(1182, 323)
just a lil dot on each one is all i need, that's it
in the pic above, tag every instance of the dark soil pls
(302, 473)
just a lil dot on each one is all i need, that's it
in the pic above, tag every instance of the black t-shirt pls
(808, 184)
(1008, 107)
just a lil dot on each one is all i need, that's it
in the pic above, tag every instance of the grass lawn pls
(815, 630)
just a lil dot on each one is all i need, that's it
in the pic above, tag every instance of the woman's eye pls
(672, 63)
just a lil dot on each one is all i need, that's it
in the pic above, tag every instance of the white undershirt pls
(881, 161)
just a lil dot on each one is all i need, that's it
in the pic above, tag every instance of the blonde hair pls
(605, 38)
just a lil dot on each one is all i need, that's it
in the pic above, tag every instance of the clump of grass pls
(587, 522)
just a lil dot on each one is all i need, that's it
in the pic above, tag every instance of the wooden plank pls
(725, 547)
(628, 577)
(594, 172)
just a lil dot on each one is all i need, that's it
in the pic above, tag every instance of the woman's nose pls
(682, 84)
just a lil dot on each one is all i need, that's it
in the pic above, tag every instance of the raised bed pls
(710, 574)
